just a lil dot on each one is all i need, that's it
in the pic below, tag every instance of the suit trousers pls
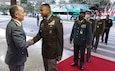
(16, 67)
(50, 64)
(89, 50)
(88, 53)
(76, 54)
(106, 31)
(95, 43)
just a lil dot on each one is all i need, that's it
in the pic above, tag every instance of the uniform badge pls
(97, 26)
(40, 30)
(51, 23)
(81, 32)
(41, 25)
(50, 32)
(83, 26)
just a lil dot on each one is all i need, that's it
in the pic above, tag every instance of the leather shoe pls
(95, 49)
(105, 43)
(81, 67)
(88, 60)
(74, 64)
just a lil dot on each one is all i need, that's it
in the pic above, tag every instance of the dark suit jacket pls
(17, 45)
(108, 23)
(51, 32)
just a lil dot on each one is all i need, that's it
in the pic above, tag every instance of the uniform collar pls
(48, 17)
(17, 21)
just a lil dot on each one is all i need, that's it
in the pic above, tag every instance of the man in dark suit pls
(81, 37)
(92, 22)
(16, 40)
(51, 32)
(108, 25)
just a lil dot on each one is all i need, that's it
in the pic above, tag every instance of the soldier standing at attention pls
(108, 25)
(100, 25)
(92, 22)
(51, 32)
(81, 37)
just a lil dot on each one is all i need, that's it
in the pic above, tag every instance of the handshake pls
(31, 41)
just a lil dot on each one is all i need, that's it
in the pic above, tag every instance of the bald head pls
(17, 12)
(14, 9)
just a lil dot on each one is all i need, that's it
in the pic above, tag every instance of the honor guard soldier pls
(81, 37)
(100, 25)
(108, 25)
(92, 22)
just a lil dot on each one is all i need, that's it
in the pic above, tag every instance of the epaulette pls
(17, 24)
(76, 20)
(88, 21)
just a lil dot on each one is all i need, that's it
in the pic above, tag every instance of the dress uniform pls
(100, 25)
(92, 22)
(17, 46)
(51, 32)
(17, 52)
(108, 25)
(81, 36)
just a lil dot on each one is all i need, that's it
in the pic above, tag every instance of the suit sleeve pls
(111, 23)
(72, 33)
(19, 38)
(59, 29)
(38, 36)
(103, 27)
(94, 26)
(89, 34)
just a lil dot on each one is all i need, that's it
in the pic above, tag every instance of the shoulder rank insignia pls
(89, 21)
(17, 24)
(76, 20)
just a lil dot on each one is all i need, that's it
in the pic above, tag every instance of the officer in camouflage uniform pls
(81, 37)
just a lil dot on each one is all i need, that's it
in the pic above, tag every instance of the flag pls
(111, 10)
(106, 10)
(97, 12)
